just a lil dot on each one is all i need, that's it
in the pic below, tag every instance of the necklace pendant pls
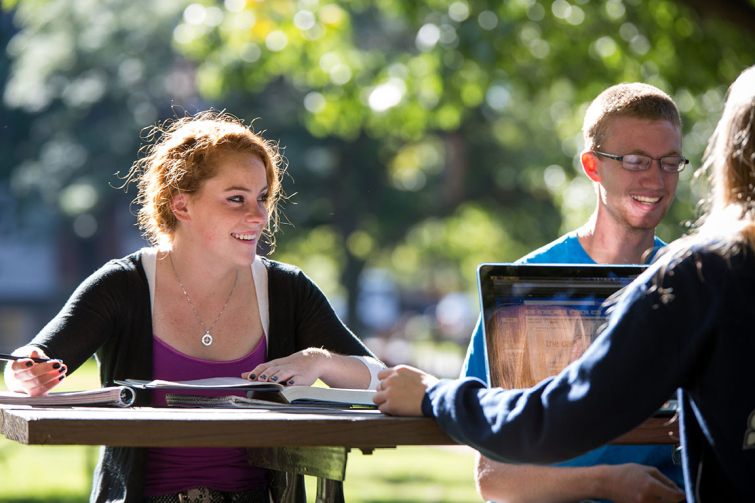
(207, 339)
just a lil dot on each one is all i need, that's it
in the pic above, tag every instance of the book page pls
(209, 383)
(361, 397)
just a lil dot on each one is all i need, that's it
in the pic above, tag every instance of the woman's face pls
(227, 214)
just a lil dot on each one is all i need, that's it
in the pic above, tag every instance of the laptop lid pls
(538, 318)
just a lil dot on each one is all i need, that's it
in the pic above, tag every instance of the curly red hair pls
(182, 158)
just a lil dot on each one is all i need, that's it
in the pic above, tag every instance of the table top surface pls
(165, 427)
(192, 427)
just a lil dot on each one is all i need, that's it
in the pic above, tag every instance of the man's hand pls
(401, 390)
(633, 483)
(627, 483)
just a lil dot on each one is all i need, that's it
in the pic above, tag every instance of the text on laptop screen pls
(535, 325)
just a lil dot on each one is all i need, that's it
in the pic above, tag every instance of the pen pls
(13, 358)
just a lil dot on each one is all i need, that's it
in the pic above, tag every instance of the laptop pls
(538, 318)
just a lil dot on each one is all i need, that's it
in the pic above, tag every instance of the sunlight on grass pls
(63, 474)
(411, 474)
(50, 474)
(408, 475)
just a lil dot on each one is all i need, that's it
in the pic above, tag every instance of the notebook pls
(539, 318)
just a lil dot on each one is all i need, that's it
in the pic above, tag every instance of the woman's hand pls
(34, 379)
(401, 390)
(301, 369)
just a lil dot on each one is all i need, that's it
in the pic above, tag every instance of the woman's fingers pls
(38, 378)
(45, 383)
(281, 375)
(255, 373)
(303, 368)
(270, 373)
(289, 375)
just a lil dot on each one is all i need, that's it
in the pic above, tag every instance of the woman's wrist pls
(373, 368)
(340, 371)
(320, 359)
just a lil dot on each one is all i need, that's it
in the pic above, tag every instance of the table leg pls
(328, 491)
(328, 464)
(291, 484)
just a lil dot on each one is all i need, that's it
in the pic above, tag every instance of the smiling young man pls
(632, 153)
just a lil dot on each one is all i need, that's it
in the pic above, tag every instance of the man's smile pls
(245, 237)
(646, 199)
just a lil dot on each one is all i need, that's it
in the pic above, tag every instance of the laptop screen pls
(539, 318)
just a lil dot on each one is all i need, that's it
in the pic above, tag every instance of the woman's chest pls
(218, 333)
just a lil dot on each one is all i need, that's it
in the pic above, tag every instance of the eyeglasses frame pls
(620, 158)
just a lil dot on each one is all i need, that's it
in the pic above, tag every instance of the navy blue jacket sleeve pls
(654, 338)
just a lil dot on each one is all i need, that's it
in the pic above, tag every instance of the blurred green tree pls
(423, 137)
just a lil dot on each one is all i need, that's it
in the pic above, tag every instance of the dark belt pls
(208, 495)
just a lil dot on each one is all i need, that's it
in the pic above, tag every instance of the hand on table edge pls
(401, 390)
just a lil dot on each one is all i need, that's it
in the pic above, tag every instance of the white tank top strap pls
(259, 273)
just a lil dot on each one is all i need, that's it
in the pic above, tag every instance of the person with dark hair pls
(685, 324)
(200, 303)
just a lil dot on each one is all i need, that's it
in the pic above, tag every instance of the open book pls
(270, 392)
(120, 396)
(211, 383)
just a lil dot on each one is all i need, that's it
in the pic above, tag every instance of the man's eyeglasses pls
(639, 162)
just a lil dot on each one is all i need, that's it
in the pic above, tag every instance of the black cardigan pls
(109, 315)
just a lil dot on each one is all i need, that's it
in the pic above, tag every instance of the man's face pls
(637, 199)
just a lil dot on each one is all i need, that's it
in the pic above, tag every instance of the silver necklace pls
(206, 338)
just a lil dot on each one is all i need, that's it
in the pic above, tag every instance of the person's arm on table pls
(305, 367)
(578, 410)
(324, 347)
(555, 484)
(401, 390)
(627, 483)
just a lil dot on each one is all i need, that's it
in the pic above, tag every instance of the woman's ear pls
(590, 166)
(179, 207)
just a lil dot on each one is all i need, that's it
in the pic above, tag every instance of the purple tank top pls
(174, 469)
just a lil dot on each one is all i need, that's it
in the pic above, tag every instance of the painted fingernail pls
(291, 381)
(275, 378)
(62, 369)
(252, 376)
(263, 377)
(29, 364)
(56, 365)
(61, 377)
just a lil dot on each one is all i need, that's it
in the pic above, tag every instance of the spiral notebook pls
(118, 396)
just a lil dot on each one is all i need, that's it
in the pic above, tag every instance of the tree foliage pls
(423, 137)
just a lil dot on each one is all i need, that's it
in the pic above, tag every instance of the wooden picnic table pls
(304, 442)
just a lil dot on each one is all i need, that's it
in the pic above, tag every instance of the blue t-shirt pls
(568, 250)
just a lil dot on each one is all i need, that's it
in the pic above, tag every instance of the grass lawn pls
(410, 475)
(50, 474)
(63, 474)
